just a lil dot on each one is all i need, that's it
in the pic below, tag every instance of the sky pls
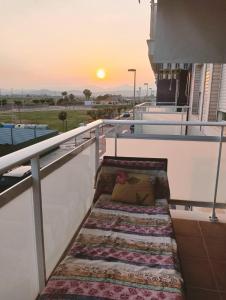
(59, 44)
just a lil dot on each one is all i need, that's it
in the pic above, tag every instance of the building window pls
(186, 66)
(177, 66)
(169, 66)
(160, 66)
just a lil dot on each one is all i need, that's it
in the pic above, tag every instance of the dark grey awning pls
(191, 31)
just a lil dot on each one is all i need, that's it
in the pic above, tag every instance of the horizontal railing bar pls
(163, 112)
(14, 191)
(162, 123)
(165, 137)
(18, 157)
(162, 106)
(196, 203)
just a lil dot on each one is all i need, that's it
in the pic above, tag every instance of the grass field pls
(47, 117)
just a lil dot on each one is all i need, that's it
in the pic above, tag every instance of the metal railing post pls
(141, 115)
(97, 148)
(187, 119)
(214, 217)
(182, 119)
(38, 220)
(116, 140)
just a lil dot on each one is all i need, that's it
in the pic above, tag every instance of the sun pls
(101, 74)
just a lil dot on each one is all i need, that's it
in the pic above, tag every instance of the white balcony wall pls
(67, 195)
(222, 186)
(18, 271)
(146, 129)
(191, 165)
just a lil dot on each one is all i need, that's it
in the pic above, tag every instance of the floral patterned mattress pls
(122, 252)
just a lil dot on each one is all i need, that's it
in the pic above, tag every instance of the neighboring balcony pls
(40, 215)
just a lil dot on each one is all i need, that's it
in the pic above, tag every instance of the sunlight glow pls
(101, 74)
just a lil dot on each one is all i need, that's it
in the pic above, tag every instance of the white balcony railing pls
(40, 215)
(160, 113)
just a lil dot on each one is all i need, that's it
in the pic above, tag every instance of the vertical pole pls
(12, 135)
(97, 150)
(141, 115)
(187, 119)
(203, 96)
(116, 141)
(214, 218)
(182, 119)
(134, 94)
(38, 219)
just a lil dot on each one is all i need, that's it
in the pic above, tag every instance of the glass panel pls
(67, 195)
(191, 165)
(221, 197)
(18, 271)
(157, 129)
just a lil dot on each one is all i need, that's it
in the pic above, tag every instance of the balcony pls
(40, 215)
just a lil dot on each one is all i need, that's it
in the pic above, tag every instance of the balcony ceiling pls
(190, 31)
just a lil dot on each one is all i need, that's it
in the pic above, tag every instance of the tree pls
(64, 94)
(63, 117)
(50, 101)
(42, 101)
(87, 94)
(65, 97)
(3, 101)
(71, 98)
(36, 101)
(92, 114)
(18, 102)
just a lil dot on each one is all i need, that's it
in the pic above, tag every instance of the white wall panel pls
(18, 266)
(191, 165)
(67, 197)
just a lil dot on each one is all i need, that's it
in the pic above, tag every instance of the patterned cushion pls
(155, 168)
(134, 188)
(140, 164)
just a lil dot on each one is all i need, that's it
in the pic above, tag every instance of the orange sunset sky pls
(60, 44)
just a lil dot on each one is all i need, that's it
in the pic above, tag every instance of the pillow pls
(134, 188)
(110, 166)
(106, 177)
(104, 183)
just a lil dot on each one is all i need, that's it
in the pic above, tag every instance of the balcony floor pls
(202, 252)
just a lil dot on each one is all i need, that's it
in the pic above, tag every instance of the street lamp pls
(134, 89)
(139, 93)
(150, 90)
(147, 87)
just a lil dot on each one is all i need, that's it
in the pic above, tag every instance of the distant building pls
(109, 99)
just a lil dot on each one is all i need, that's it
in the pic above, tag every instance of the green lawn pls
(48, 117)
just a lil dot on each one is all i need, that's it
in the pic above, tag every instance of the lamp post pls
(139, 93)
(147, 87)
(150, 91)
(134, 89)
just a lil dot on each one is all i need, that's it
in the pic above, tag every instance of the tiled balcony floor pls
(202, 252)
